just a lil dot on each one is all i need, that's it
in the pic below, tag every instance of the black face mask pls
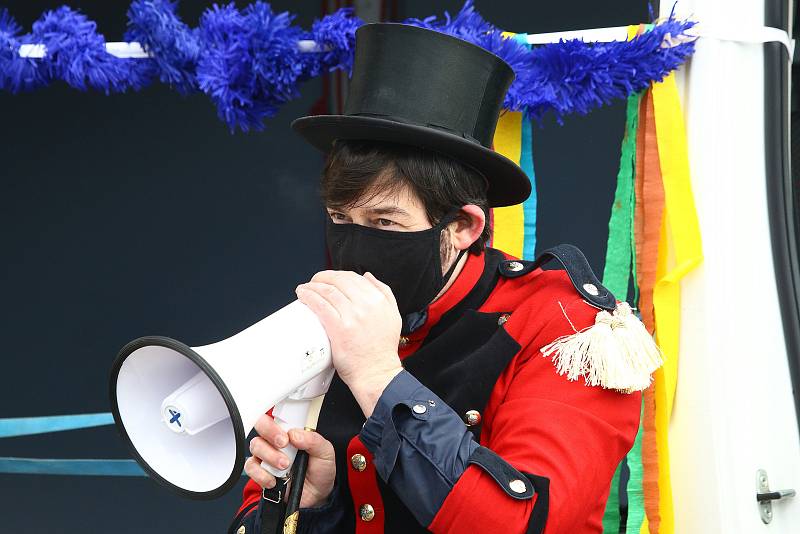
(408, 262)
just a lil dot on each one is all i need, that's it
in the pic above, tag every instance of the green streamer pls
(635, 488)
(620, 265)
(619, 254)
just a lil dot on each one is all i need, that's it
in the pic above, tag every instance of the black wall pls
(140, 214)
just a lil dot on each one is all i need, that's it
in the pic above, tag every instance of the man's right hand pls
(321, 459)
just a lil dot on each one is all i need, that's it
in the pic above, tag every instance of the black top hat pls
(423, 88)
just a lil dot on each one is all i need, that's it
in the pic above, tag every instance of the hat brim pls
(507, 182)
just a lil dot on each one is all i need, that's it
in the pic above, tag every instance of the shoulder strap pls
(273, 509)
(578, 270)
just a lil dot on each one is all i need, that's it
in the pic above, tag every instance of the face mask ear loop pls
(447, 219)
(452, 268)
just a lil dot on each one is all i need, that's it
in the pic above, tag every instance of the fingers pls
(349, 283)
(332, 294)
(268, 429)
(323, 309)
(261, 449)
(313, 443)
(383, 288)
(262, 477)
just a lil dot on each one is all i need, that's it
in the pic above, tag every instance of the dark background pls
(136, 214)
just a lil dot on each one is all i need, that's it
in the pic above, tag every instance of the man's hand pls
(321, 459)
(360, 316)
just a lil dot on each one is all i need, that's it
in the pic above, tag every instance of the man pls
(446, 415)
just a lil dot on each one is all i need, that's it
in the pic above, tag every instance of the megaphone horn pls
(185, 412)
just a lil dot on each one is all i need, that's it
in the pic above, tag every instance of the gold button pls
(503, 318)
(472, 418)
(367, 512)
(359, 462)
(241, 530)
(403, 341)
(517, 486)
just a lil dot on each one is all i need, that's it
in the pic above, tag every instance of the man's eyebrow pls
(391, 210)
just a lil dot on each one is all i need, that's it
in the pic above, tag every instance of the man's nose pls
(361, 221)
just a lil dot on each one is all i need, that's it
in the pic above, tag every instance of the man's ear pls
(467, 228)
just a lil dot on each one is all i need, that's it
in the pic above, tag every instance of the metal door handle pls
(775, 495)
(765, 496)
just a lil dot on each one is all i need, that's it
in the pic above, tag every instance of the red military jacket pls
(479, 349)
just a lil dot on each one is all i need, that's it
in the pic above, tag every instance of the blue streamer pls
(529, 205)
(27, 426)
(72, 467)
(526, 163)
(44, 466)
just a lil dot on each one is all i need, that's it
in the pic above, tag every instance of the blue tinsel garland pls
(247, 61)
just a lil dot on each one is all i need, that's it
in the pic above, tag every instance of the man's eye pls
(336, 216)
(385, 222)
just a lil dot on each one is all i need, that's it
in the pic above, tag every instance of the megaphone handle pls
(292, 413)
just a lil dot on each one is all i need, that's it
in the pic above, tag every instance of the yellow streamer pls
(680, 251)
(509, 221)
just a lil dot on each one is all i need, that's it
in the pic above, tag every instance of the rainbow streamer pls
(515, 226)
(649, 178)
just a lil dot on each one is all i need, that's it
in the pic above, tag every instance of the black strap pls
(580, 273)
(502, 472)
(509, 479)
(273, 509)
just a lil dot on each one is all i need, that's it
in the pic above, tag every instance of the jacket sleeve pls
(421, 447)
(557, 441)
(567, 435)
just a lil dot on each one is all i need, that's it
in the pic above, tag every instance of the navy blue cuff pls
(323, 519)
(397, 392)
(420, 445)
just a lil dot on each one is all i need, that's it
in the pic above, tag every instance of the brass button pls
(472, 418)
(359, 462)
(241, 530)
(367, 512)
(503, 318)
(403, 341)
(517, 486)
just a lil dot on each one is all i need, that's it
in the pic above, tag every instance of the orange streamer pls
(647, 227)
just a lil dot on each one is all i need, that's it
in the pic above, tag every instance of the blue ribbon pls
(28, 426)
(46, 466)
(526, 162)
(56, 466)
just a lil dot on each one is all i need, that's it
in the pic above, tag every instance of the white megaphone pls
(185, 411)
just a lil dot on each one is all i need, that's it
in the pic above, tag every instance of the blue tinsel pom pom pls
(173, 46)
(249, 64)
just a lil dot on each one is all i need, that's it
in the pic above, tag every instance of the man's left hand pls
(360, 316)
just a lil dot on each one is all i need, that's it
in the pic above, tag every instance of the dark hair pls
(441, 182)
